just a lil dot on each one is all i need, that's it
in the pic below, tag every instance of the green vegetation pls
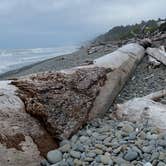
(126, 32)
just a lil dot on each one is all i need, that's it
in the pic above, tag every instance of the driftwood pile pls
(148, 107)
(36, 111)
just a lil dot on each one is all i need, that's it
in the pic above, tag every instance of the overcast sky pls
(47, 23)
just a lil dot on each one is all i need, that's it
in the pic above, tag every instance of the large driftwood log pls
(61, 101)
(64, 101)
(158, 54)
(145, 108)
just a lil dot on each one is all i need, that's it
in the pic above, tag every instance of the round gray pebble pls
(131, 155)
(54, 156)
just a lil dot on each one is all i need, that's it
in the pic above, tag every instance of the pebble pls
(128, 128)
(70, 162)
(162, 156)
(66, 155)
(148, 164)
(91, 154)
(119, 160)
(138, 151)
(147, 149)
(151, 136)
(132, 136)
(105, 159)
(74, 139)
(142, 135)
(117, 150)
(155, 156)
(162, 143)
(62, 143)
(79, 147)
(89, 132)
(131, 155)
(161, 164)
(75, 154)
(78, 162)
(84, 139)
(61, 163)
(89, 159)
(54, 156)
(100, 146)
(65, 148)
(98, 151)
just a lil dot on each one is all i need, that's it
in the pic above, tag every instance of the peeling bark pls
(61, 101)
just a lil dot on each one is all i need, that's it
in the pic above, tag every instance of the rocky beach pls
(107, 141)
(55, 112)
(76, 58)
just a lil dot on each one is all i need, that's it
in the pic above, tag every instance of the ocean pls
(11, 59)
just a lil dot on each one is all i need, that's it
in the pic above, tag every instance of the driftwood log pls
(158, 53)
(153, 61)
(145, 109)
(59, 102)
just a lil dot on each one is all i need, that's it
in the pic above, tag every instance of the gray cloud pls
(39, 23)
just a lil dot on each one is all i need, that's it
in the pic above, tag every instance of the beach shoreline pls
(56, 63)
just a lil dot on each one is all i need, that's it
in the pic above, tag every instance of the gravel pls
(136, 151)
(106, 141)
(144, 81)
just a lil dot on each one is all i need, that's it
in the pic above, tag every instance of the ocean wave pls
(16, 58)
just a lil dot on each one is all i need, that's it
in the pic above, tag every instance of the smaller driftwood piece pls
(145, 108)
(158, 54)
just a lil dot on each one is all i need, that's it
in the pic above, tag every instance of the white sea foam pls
(11, 59)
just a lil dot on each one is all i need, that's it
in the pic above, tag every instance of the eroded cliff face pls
(61, 102)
